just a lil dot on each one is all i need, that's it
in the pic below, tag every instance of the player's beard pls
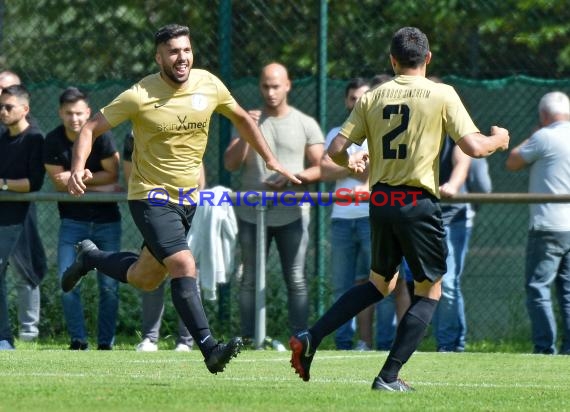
(170, 73)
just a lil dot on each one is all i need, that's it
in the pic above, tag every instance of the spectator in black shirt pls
(100, 222)
(21, 171)
(28, 256)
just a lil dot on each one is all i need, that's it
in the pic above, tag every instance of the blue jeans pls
(292, 240)
(386, 322)
(547, 262)
(152, 311)
(28, 295)
(449, 323)
(107, 236)
(350, 262)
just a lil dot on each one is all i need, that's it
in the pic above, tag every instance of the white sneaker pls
(278, 346)
(28, 337)
(182, 348)
(5, 345)
(147, 346)
(361, 346)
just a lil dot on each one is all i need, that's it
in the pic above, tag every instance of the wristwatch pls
(4, 184)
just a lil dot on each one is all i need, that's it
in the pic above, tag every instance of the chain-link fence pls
(485, 49)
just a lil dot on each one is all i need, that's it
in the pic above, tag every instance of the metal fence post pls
(225, 55)
(320, 253)
(260, 321)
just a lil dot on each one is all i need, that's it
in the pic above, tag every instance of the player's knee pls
(146, 281)
(428, 289)
(385, 288)
(181, 264)
(148, 285)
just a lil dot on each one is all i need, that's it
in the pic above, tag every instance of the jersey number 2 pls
(402, 151)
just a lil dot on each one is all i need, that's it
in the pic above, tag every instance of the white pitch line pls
(243, 359)
(273, 379)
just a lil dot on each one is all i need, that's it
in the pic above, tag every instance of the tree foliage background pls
(83, 41)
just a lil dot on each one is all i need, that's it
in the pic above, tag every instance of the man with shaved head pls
(297, 142)
(8, 78)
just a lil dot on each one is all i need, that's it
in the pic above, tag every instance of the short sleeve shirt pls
(287, 137)
(170, 128)
(20, 157)
(405, 122)
(57, 151)
(548, 153)
(353, 211)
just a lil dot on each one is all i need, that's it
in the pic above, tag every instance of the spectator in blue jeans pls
(547, 153)
(350, 243)
(449, 318)
(449, 321)
(350, 234)
(100, 222)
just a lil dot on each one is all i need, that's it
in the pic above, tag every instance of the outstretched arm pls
(330, 171)
(312, 174)
(238, 148)
(478, 145)
(81, 150)
(338, 152)
(249, 131)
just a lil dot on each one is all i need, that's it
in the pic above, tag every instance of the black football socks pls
(409, 334)
(186, 300)
(345, 308)
(112, 264)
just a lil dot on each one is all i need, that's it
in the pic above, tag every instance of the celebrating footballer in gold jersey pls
(170, 114)
(404, 122)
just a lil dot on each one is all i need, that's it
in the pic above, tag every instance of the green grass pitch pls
(41, 379)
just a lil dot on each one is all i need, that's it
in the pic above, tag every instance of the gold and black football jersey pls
(405, 121)
(170, 128)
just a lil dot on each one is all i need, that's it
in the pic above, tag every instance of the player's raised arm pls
(81, 150)
(478, 145)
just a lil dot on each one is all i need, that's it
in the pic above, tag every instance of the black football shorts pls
(163, 228)
(406, 221)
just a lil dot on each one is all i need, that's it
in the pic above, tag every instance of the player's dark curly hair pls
(170, 31)
(409, 47)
